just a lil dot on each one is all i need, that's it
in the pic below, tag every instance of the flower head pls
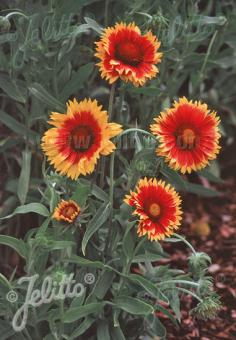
(158, 207)
(188, 135)
(126, 54)
(66, 211)
(79, 137)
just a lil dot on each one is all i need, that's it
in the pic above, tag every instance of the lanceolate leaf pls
(103, 331)
(15, 126)
(148, 286)
(12, 88)
(94, 25)
(23, 183)
(77, 81)
(44, 96)
(37, 208)
(73, 314)
(201, 190)
(97, 221)
(133, 306)
(18, 245)
(82, 328)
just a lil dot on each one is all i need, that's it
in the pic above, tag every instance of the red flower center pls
(187, 139)
(154, 209)
(129, 53)
(68, 211)
(81, 138)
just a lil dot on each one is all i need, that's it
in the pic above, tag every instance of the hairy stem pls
(183, 239)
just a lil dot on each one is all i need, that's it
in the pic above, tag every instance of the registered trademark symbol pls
(89, 278)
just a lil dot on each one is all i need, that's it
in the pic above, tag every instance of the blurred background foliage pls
(47, 57)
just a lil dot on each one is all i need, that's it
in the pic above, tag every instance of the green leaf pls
(78, 300)
(73, 314)
(103, 331)
(97, 221)
(210, 20)
(7, 332)
(103, 284)
(211, 177)
(173, 297)
(94, 25)
(42, 229)
(147, 257)
(57, 245)
(96, 191)
(36, 208)
(15, 126)
(128, 243)
(201, 190)
(78, 30)
(99, 193)
(117, 333)
(23, 184)
(174, 177)
(133, 306)
(81, 261)
(13, 88)
(181, 184)
(81, 193)
(5, 285)
(167, 313)
(77, 81)
(148, 286)
(18, 245)
(156, 328)
(84, 326)
(42, 94)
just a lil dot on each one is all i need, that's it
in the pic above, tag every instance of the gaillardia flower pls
(79, 137)
(158, 206)
(188, 134)
(66, 211)
(126, 54)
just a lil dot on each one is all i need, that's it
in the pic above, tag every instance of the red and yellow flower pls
(188, 134)
(158, 206)
(126, 54)
(79, 137)
(66, 211)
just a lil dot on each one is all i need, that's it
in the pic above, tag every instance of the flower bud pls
(208, 308)
(5, 24)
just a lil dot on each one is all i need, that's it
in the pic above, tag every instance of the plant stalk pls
(185, 241)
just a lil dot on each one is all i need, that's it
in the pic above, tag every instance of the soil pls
(210, 226)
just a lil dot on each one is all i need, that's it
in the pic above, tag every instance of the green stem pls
(190, 293)
(111, 100)
(112, 162)
(55, 86)
(185, 241)
(111, 194)
(35, 324)
(106, 13)
(61, 308)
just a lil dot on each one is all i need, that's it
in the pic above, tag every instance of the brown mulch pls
(210, 225)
